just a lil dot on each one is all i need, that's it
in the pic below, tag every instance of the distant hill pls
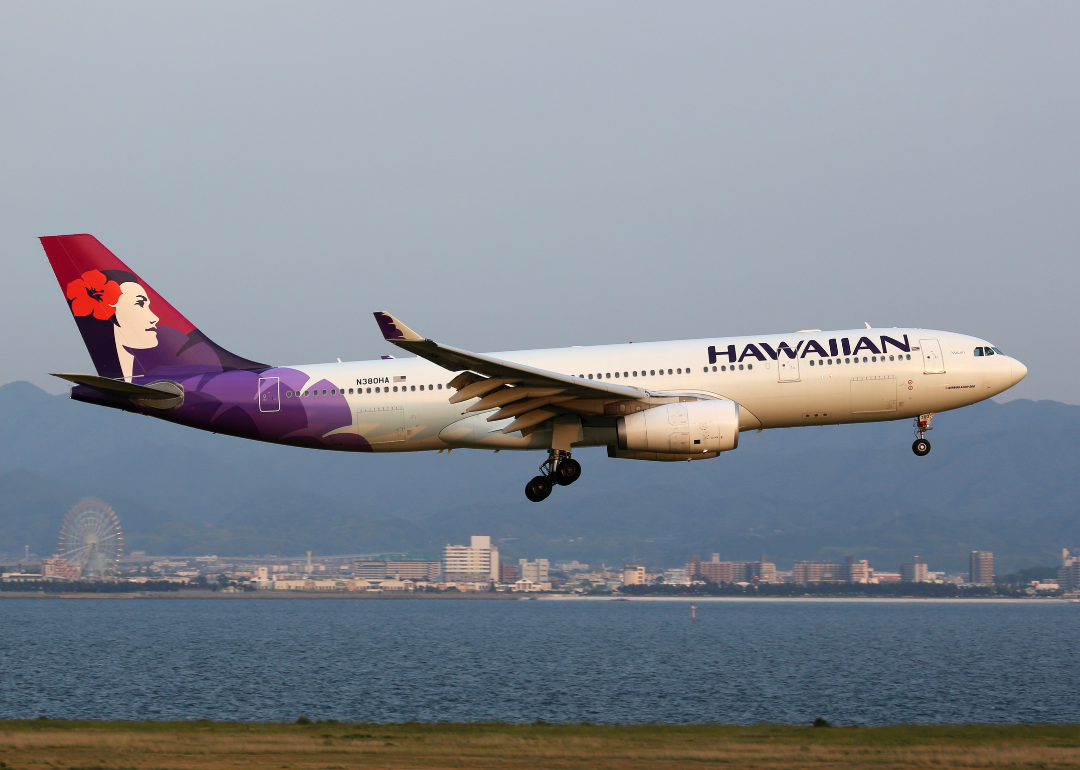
(1001, 477)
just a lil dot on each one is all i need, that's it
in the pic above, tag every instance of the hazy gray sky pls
(514, 175)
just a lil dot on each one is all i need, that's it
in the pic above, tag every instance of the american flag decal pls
(399, 379)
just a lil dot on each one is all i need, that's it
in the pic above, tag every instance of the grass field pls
(55, 745)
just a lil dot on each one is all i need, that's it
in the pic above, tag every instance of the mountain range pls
(1001, 477)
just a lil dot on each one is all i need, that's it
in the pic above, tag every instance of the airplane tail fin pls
(129, 329)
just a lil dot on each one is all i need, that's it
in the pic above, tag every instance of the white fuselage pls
(833, 378)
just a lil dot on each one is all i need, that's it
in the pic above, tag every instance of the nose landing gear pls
(921, 447)
(559, 469)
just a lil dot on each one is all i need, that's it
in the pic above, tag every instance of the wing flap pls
(529, 420)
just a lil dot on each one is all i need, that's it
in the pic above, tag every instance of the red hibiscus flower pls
(93, 294)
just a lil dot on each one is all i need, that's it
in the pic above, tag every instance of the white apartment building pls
(633, 575)
(476, 562)
(536, 571)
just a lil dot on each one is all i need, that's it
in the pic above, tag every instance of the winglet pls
(394, 330)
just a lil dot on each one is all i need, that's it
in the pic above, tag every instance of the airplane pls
(658, 401)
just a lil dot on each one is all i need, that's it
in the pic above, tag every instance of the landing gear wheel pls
(921, 447)
(567, 472)
(538, 489)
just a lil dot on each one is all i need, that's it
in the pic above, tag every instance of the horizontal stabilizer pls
(127, 390)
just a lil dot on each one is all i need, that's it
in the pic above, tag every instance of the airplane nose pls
(1019, 371)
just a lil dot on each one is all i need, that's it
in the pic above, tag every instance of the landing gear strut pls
(921, 447)
(559, 468)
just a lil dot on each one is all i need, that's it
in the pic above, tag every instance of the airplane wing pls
(521, 391)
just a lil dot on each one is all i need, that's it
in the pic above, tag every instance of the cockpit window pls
(997, 351)
(978, 352)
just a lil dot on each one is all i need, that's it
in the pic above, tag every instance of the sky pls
(505, 176)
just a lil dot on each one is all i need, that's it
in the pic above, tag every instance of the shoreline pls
(485, 596)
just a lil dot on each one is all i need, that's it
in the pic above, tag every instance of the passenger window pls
(830, 361)
(609, 375)
(714, 368)
(740, 367)
(679, 371)
(421, 388)
(661, 371)
(624, 374)
(908, 356)
(652, 372)
(635, 372)
(847, 360)
(749, 366)
(669, 371)
(724, 368)
(369, 390)
(590, 376)
(288, 394)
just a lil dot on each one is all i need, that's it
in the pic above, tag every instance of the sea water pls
(521, 661)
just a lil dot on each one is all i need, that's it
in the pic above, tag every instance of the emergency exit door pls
(787, 369)
(933, 363)
(269, 391)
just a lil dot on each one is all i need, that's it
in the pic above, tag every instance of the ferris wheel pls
(90, 538)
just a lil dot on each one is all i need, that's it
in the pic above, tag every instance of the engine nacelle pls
(685, 428)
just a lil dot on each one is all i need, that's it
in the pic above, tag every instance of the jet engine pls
(682, 431)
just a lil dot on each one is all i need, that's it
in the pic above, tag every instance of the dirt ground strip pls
(204, 745)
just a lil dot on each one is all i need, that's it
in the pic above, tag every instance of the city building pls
(850, 571)
(1069, 574)
(716, 571)
(478, 561)
(536, 571)
(633, 575)
(508, 573)
(915, 572)
(981, 568)
(405, 569)
(57, 566)
(571, 566)
(676, 577)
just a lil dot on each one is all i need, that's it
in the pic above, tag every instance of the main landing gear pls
(559, 469)
(921, 447)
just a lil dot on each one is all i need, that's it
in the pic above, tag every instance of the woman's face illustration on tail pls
(136, 322)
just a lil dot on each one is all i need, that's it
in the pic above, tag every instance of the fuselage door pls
(933, 363)
(787, 369)
(269, 390)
